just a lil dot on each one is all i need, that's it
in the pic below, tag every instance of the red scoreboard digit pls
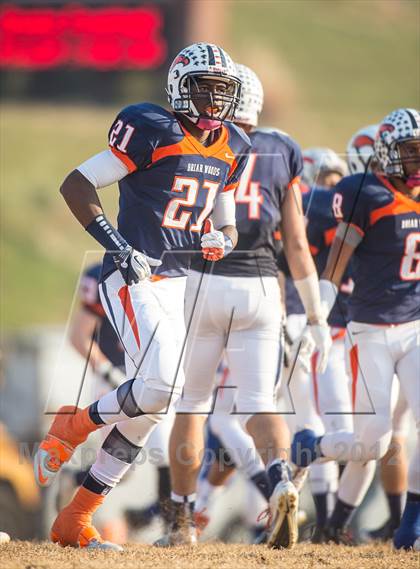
(77, 36)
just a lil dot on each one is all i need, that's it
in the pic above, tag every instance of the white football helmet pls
(360, 149)
(201, 61)
(402, 125)
(252, 96)
(318, 161)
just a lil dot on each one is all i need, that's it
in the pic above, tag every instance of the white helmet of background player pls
(400, 126)
(252, 96)
(203, 61)
(317, 162)
(360, 149)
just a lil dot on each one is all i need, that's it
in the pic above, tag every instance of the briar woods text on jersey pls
(412, 223)
(203, 169)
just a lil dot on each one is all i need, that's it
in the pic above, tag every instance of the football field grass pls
(25, 555)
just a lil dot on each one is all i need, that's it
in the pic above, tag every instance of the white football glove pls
(214, 243)
(315, 337)
(134, 266)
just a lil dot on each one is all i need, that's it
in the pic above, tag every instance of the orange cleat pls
(73, 525)
(70, 428)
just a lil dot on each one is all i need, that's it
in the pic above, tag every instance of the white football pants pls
(375, 353)
(241, 317)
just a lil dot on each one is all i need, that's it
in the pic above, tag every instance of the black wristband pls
(105, 234)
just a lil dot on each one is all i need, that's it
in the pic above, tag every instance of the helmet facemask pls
(206, 108)
(408, 160)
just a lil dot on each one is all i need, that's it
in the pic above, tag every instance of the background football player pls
(393, 466)
(238, 313)
(320, 400)
(380, 219)
(173, 169)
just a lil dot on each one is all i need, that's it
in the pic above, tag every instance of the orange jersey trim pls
(400, 204)
(357, 228)
(295, 180)
(314, 250)
(190, 145)
(230, 187)
(329, 235)
(125, 159)
(339, 334)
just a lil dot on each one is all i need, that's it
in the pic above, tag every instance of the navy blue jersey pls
(105, 335)
(172, 184)
(275, 162)
(320, 230)
(387, 260)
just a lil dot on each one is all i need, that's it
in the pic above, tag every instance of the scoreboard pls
(102, 37)
(97, 50)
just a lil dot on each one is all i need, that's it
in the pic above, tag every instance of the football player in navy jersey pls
(379, 227)
(238, 313)
(173, 168)
(320, 400)
(393, 466)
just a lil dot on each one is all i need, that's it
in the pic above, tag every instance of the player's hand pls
(315, 337)
(134, 266)
(111, 374)
(213, 242)
(321, 335)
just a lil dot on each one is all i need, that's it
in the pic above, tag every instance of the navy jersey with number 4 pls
(105, 335)
(172, 184)
(274, 163)
(387, 260)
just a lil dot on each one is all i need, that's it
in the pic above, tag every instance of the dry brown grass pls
(26, 555)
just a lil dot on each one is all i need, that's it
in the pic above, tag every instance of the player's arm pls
(82, 334)
(79, 190)
(224, 215)
(346, 239)
(351, 206)
(220, 235)
(298, 255)
(303, 271)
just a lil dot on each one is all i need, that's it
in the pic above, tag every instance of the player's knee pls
(255, 403)
(155, 396)
(146, 397)
(375, 439)
(243, 421)
(195, 401)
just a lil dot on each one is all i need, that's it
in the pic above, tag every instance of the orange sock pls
(73, 425)
(85, 502)
(76, 517)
